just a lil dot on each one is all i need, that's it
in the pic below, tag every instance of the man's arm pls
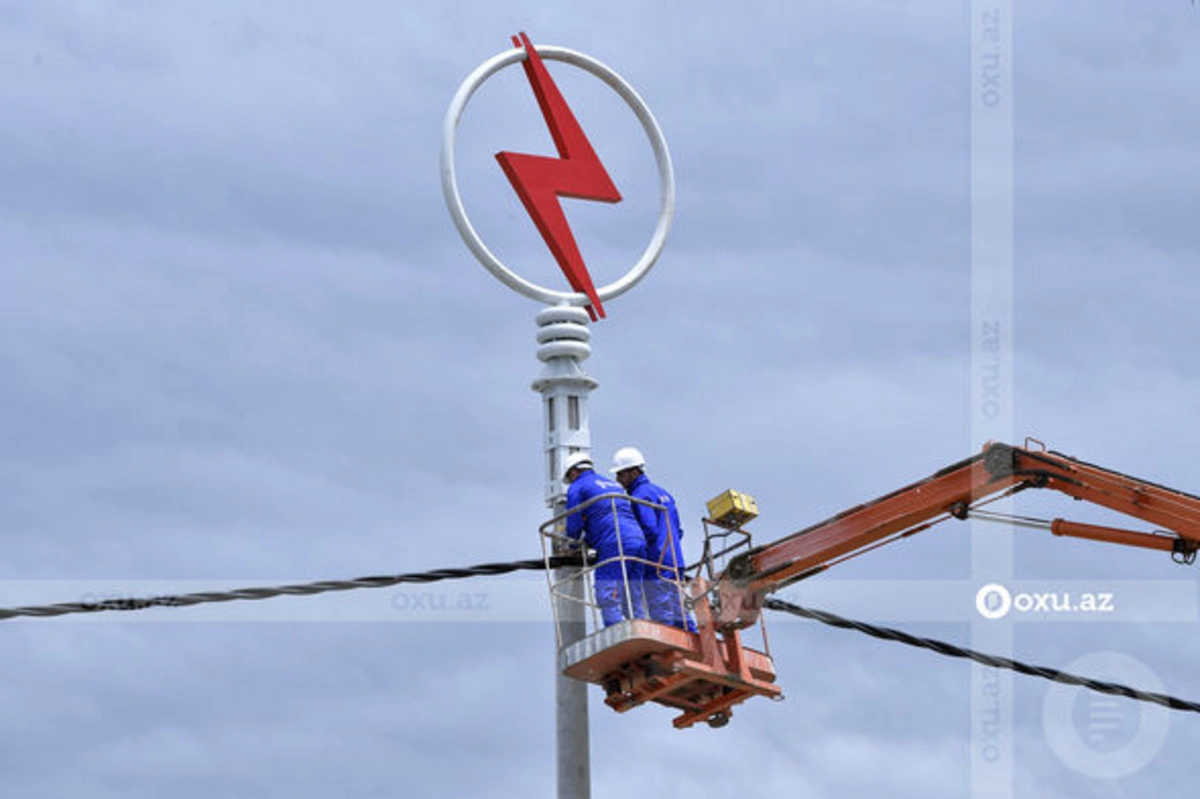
(575, 520)
(676, 526)
(647, 519)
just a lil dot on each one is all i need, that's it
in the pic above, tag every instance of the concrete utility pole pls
(562, 344)
(563, 334)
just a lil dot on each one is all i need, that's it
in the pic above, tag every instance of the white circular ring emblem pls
(993, 601)
(666, 176)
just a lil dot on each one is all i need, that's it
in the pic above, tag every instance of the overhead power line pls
(299, 589)
(950, 650)
(539, 564)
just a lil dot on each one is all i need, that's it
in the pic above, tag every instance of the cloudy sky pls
(242, 343)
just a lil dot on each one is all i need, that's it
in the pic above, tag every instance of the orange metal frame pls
(951, 492)
(706, 673)
(703, 674)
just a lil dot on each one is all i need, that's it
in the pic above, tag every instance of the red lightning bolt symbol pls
(540, 181)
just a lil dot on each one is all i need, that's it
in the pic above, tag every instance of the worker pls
(663, 532)
(609, 527)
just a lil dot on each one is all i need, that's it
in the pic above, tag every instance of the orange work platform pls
(705, 674)
(702, 674)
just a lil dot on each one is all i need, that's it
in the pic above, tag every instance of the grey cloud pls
(241, 338)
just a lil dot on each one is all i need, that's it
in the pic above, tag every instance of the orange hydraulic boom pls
(956, 492)
(706, 673)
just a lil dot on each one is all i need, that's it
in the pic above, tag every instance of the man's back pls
(598, 519)
(664, 588)
(661, 528)
(609, 527)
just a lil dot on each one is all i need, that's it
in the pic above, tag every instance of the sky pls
(241, 343)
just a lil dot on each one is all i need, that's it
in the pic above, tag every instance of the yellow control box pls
(732, 509)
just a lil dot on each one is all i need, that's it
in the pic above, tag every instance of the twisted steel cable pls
(950, 650)
(493, 569)
(300, 589)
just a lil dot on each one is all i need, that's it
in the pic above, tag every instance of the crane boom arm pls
(952, 492)
(706, 672)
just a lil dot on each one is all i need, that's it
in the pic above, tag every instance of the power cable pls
(300, 589)
(950, 650)
(558, 561)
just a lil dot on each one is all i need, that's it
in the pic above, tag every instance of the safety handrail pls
(593, 501)
(548, 533)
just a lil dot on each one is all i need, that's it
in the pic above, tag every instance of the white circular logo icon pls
(1103, 736)
(666, 177)
(993, 601)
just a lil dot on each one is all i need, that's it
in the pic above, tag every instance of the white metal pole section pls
(563, 338)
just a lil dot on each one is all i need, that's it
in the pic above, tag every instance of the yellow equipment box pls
(732, 509)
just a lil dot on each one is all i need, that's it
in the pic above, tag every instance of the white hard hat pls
(627, 458)
(576, 459)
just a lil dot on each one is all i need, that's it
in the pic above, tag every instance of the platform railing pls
(556, 541)
(723, 542)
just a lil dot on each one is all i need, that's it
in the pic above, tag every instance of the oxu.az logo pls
(995, 601)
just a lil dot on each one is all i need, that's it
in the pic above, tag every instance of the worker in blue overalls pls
(664, 586)
(609, 527)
